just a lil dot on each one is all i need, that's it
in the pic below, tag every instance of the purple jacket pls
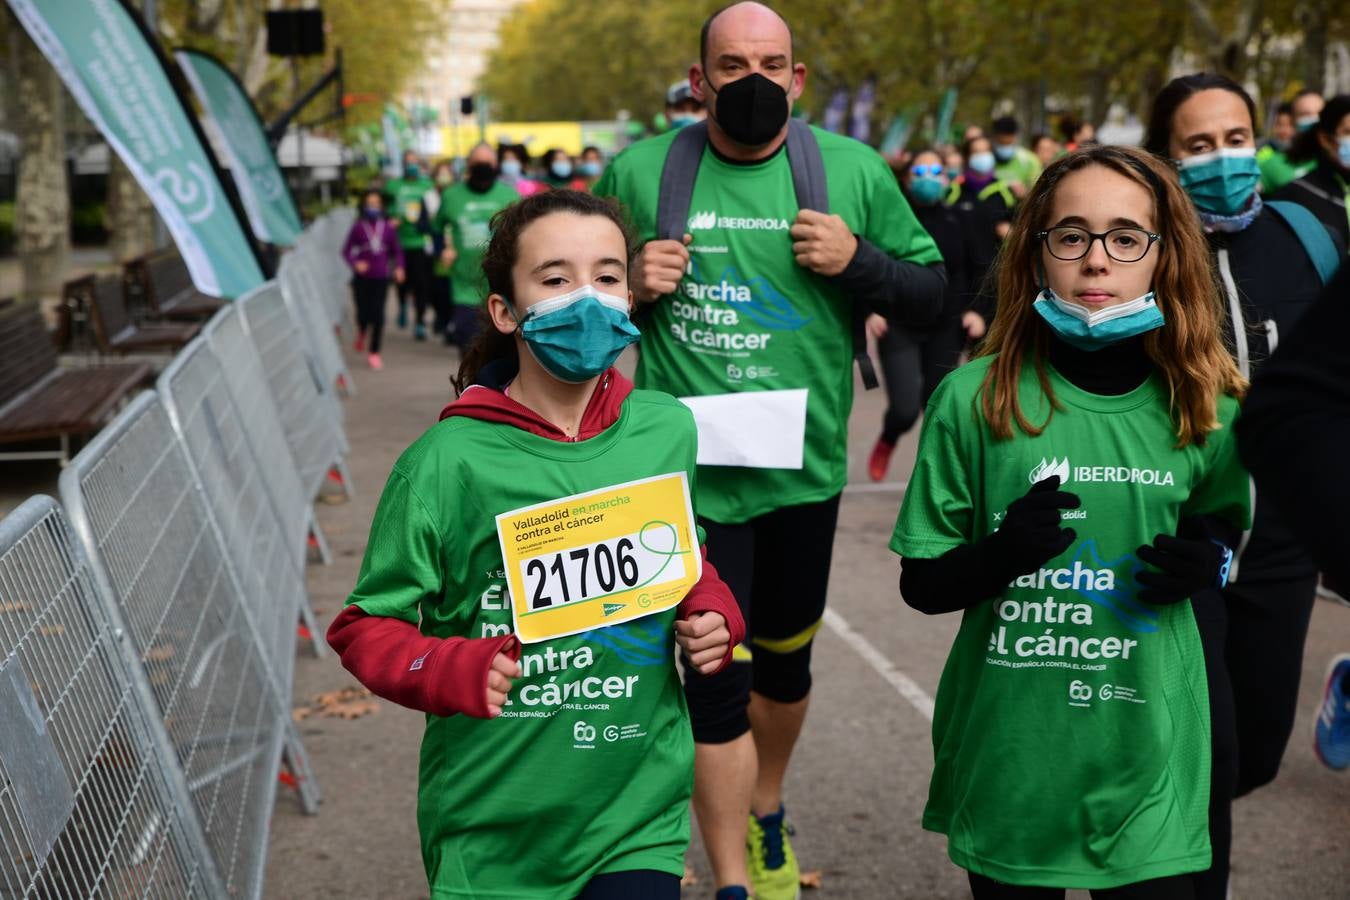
(375, 243)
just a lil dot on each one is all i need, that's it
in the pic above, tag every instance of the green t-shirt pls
(748, 318)
(1277, 170)
(1071, 729)
(466, 214)
(403, 199)
(589, 769)
(1024, 167)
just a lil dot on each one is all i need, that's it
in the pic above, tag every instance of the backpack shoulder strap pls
(808, 167)
(1312, 234)
(677, 181)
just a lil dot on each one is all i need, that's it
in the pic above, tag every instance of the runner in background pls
(1323, 152)
(560, 173)
(405, 198)
(1075, 486)
(1255, 631)
(512, 164)
(1307, 108)
(914, 360)
(443, 175)
(1077, 133)
(682, 107)
(1273, 156)
(465, 218)
(374, 255)
(986, 206)
(592, 722)
(1046, 148)
(750, 318)
(592, 166)
(1016, 166)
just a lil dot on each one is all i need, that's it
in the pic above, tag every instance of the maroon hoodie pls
(444, 676)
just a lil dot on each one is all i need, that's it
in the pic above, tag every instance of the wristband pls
(1222, 580)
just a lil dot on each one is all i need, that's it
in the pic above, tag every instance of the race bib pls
(600, 557)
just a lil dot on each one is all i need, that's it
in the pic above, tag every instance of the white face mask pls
(562, 301)
(1093, 319)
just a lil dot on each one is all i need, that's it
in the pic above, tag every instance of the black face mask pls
(481, 176)
(751, 110)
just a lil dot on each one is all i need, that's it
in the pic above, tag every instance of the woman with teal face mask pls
(1254, 629)
(915, 360)
(512, 159)
(512, 511)
(1325, 190)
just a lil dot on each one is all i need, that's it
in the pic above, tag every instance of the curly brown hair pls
(1189, 350)
(499, 260)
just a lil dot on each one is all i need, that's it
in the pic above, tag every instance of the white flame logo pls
(702, 220)
(1055, 466)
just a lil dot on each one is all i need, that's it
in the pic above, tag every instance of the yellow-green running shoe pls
(774, 873)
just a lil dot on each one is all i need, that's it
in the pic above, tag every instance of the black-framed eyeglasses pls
(1125, 244)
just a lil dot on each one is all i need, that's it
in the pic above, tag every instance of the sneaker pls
(376, 364)
(402, 316)
(880, 460)
(1331, 735)
(360, 343)
(732, 892)
(420, 332)
(1329, 589)
(774, 873)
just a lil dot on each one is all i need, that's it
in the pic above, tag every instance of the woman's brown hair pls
(1188, 350)
(499, 260)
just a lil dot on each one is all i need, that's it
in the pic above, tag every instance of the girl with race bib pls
(531, 566)
(1075, 486)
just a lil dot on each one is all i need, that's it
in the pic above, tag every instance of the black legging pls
(912, 365)
(370, 298)
(416, 281)
(639, 884)
(1175, 887)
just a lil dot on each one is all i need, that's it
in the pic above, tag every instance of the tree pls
(42, 214)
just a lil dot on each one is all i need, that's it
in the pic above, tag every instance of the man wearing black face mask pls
(466, 210)
(748, 318)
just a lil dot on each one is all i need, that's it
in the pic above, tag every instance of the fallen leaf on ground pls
(346, 703)
(811, 880)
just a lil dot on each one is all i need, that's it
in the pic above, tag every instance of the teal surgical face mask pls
(1087, 330)
(926, 189)
(578, 335)
(982, 162)
(1221, 181)
(511, 168)
(1343, 152)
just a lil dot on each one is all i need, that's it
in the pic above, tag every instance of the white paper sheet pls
(753, 429)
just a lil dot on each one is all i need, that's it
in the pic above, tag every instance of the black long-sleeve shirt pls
(1295, 428)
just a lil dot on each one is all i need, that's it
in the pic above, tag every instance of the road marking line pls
(903, 684)
(884, 487)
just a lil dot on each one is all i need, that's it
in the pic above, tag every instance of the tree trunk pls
(42, 215)
(1314, 17)
(131, 218)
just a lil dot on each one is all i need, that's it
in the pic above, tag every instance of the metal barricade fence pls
(263, 554)
(92, 803)
(297, 289)
(135, 503)
(302, 399)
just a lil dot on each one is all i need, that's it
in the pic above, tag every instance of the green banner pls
(118, 75)
(262, 187)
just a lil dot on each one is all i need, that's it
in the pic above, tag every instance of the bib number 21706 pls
(600, 557)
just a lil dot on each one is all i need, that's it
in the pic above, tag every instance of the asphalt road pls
(860, 775)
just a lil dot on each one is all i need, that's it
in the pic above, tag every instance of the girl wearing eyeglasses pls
(1075, 486)
(914, 360)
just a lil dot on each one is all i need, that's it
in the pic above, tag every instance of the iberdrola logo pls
(1055, 466)
(701, 221)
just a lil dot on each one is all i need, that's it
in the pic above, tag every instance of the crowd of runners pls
(604, 592)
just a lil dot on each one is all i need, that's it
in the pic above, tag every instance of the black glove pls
(1030, 535)
(1185, 567)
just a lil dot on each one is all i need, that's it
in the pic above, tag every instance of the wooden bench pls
(163, 283)
(39, 400)
(114, 331)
